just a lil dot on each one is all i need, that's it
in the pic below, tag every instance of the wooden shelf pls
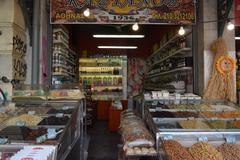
(180, 51)
(171, 71)
(61, 53)
(60, 65)
(99, 75)
(94, 67)
(61, 43)
(172, 40)
(59, 74)
(99, 60)
(61, 30)
(68, 60)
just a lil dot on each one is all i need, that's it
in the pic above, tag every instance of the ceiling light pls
(181, 31)
(86, 12)
(117, 47)
(135, 27)
(118, 36)
(230, 26)
(237, 38)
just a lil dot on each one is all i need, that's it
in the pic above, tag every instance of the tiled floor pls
(103, 144)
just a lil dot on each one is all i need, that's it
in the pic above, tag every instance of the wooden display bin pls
(114, 117)
(102, 110)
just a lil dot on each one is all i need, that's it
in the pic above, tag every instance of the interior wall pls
(83, 40)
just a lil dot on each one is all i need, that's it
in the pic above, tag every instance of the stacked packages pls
(136, 137)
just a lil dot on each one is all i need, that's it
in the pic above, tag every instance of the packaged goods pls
(134, 132)
(205, 151)
(193, 124)
(230, 151)
(175, 151)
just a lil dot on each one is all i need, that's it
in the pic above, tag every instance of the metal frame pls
(80, 130)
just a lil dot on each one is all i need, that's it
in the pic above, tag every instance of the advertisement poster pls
(123, 11)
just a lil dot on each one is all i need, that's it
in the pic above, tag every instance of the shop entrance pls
(114, 65)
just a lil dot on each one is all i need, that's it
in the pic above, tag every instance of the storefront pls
(149, 69)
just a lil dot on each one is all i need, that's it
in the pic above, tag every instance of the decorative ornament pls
(225, 65)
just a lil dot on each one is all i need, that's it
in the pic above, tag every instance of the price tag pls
(51, 130)
(3, 140)
(41, 138)
(158, 109)
(168, 137)
(214, 118)
(203, 138)
(20, 123)
(154, 103)
(59, 115)
(31, 112)
(231, 139)
(66, 108)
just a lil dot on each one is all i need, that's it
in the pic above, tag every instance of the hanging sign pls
(123, 11)
(237, 12)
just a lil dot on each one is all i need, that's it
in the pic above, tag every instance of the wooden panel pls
(114, 119)
(102, 109)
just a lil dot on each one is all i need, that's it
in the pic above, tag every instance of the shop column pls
(12, 41)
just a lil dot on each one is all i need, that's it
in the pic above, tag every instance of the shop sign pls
(19, 62)
(237, 12)
(123, 11)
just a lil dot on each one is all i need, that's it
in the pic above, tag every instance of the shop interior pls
(153, 57)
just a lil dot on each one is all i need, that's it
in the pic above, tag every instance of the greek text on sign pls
(124, 11)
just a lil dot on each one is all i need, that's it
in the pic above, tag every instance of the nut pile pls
(217, 124)
(27, 119)
(205, 151)
(175, 151)
(193, 124)
(230, 151)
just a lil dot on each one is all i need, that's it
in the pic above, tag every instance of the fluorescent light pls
(117, 47)
(237, 38)
(117, 36)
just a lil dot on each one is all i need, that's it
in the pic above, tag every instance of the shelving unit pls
(64, 64)
(172, 60)
(106, 76)
(171, 71)
(181, 51)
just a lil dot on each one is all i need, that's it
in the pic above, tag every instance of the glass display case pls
(185, 129)
(44, 116)
(54, 124)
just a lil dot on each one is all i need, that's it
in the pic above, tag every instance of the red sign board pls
(237, 13)
(123, 11)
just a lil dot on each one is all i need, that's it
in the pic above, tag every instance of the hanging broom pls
(220, 85)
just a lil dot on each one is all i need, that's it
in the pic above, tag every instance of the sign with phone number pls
(123, 11)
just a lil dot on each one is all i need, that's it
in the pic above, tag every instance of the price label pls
(3, 140)
(51, 131)
(203, 138)
(214, 118)
(41, 138)
(31, 112)
(231, 139)
(66, 108)
(20, 123)
(59, 115)
(168, 137)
